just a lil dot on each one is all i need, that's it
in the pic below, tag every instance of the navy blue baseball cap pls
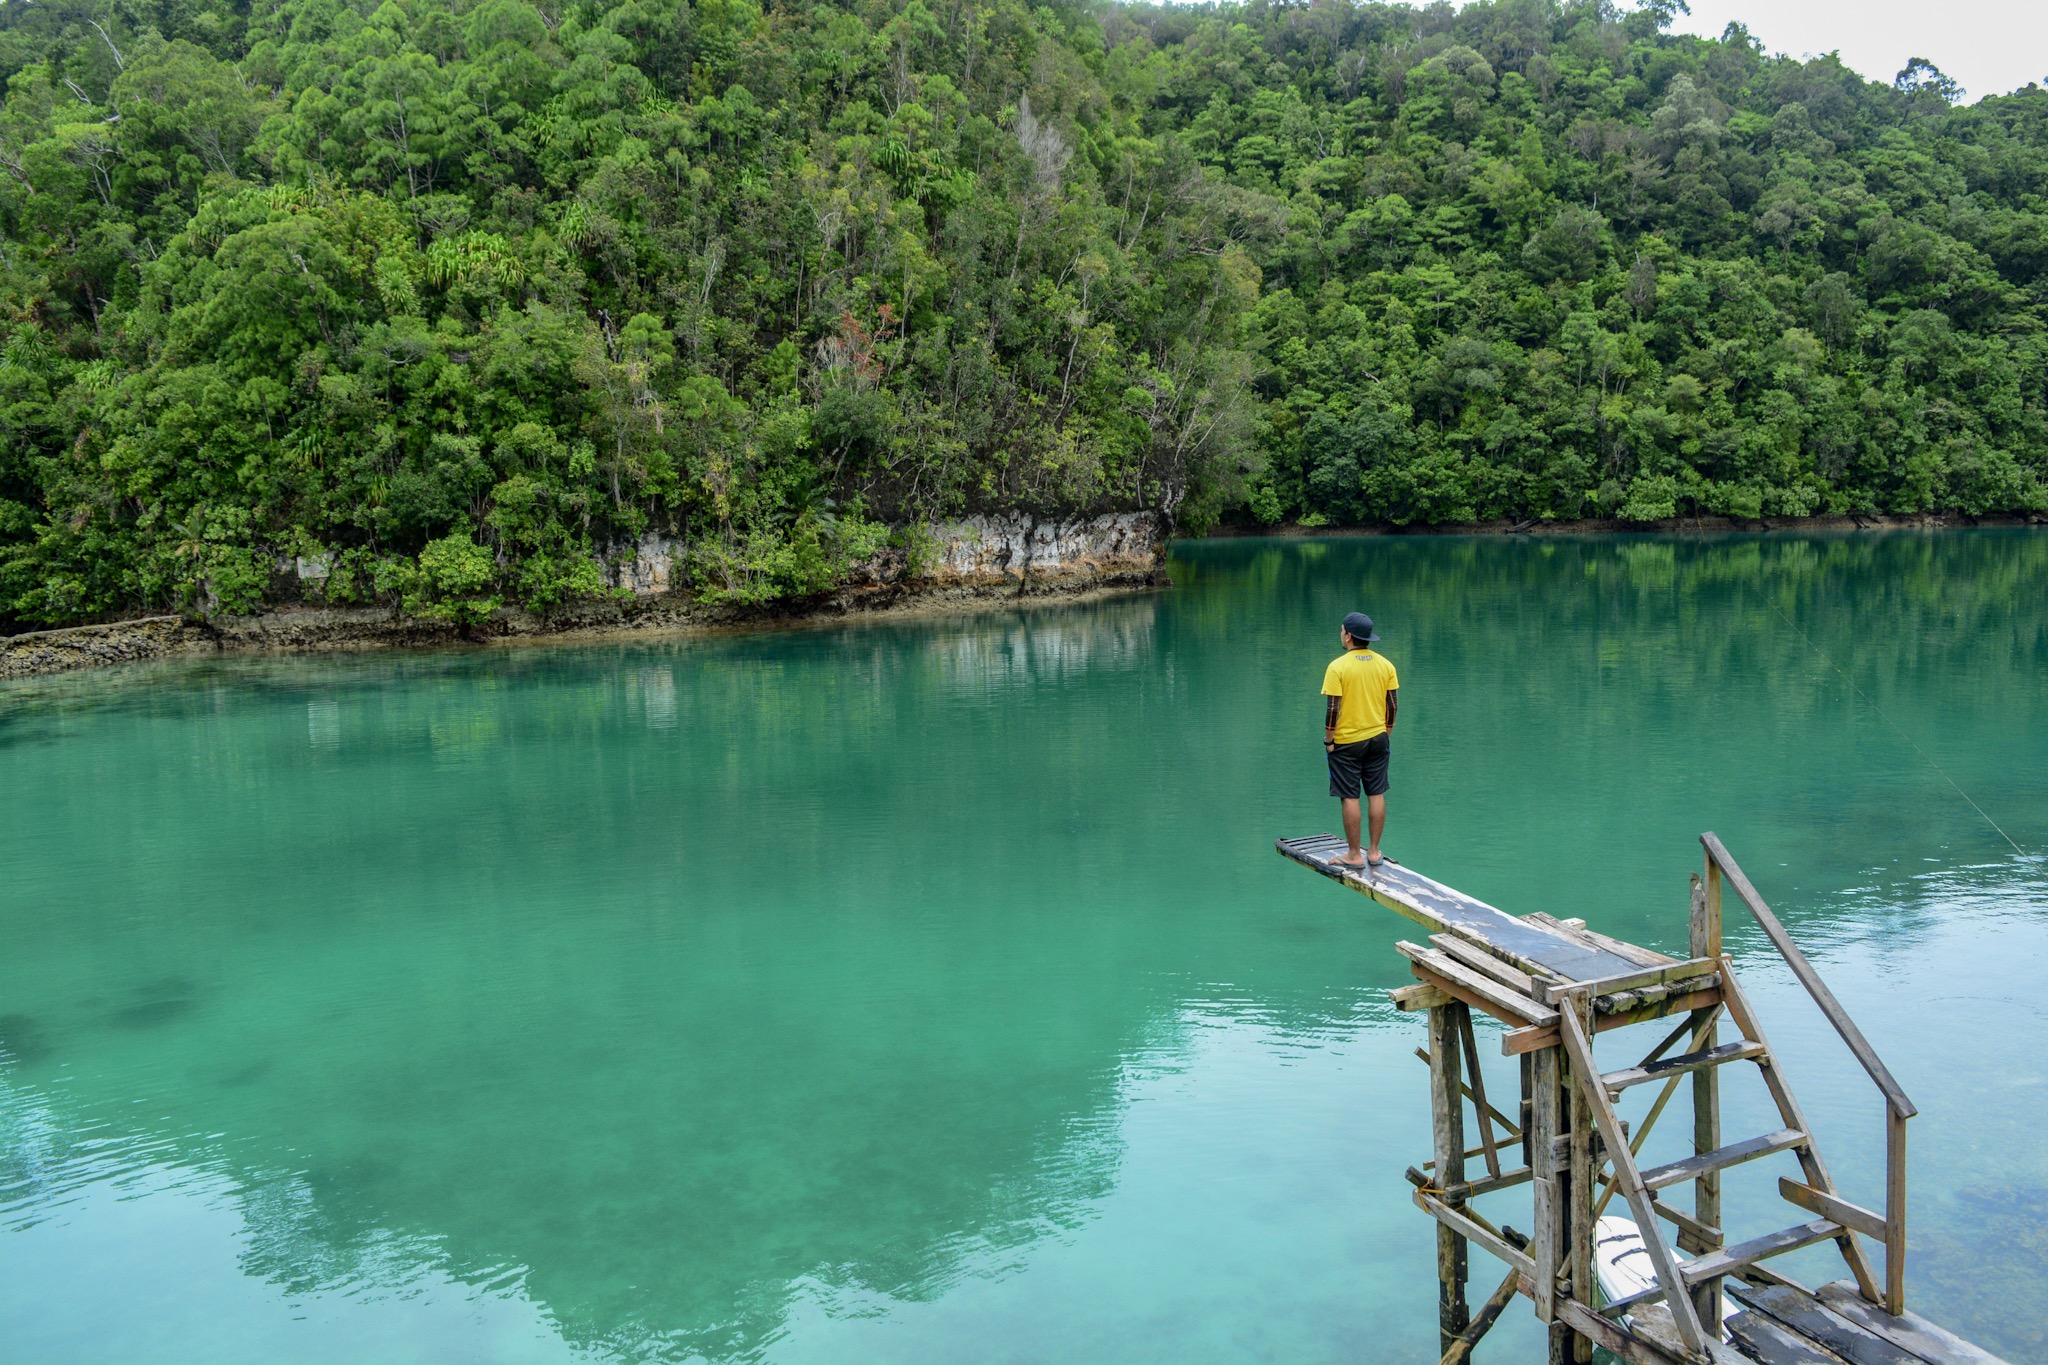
(1359, 627)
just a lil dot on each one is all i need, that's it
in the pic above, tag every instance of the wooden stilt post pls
(1547, 1242)
(1706, 1097)
(1581, 1190)
(1447, 1122)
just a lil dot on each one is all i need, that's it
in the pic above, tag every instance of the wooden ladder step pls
(1742, 1051)
(1721, 1262)
(1693, 1167)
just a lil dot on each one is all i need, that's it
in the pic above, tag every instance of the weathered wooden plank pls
(1721, 1158)
(1618, 1081)
(1536, 1037)
(1653, 1324)
(1929, 1341)
(1633, 952)
(1443, 909)
(1731, 1258)
(1818, 1323)
(1462, 979)
(1639, 979)
(1477, 958)
(1764, 1340)
(1460, 995)
(1832, 1207)
(1577, 932)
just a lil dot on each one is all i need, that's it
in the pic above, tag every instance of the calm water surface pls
(929, 991)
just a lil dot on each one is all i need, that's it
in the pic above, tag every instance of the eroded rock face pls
(976, 551)
(1014, 548)
(650, 569)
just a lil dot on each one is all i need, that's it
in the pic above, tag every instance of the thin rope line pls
(1827, 659)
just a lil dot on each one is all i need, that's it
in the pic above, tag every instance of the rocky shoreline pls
(979, 563)
(1586, 526)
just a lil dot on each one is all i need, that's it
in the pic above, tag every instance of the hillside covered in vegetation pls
(449, 299)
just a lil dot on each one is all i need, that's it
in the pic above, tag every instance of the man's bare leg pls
(1353, 858)
(1376, 807)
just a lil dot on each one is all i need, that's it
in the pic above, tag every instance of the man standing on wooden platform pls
(1358, 724)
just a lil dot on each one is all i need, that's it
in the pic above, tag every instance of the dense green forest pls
(452, 298)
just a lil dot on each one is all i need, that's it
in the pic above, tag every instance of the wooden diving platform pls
(1557, 985)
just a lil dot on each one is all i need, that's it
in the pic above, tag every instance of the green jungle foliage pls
(454, 298)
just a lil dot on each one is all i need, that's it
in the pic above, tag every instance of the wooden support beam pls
(1420, 996)
(1447, 1125)
(1475, 1087)
(1833, 1207)
(1580, 1190)
(1535, 1037)
(1482, 1323)
(1469, 1189)
(1513, 1130)
(1545, 1123)
(1704, 940)
(1470, 1226)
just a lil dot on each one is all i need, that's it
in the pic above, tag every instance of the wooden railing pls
(1721, 867)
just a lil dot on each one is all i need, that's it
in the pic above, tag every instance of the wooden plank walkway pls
(1444, 909)
(1557, 984)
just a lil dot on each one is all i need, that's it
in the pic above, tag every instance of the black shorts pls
(1363, 761)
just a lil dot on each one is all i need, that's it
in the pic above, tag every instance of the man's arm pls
(1393, 700)
(1330, 720)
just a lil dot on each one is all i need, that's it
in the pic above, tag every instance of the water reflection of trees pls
(673, 974)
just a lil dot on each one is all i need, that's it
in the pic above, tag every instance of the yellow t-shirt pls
(1363, 679)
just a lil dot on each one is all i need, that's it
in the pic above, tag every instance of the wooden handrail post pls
(1894, 1211)
(1706, 934)
(1720, 861)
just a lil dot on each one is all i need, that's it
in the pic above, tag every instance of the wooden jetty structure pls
(1557, 986)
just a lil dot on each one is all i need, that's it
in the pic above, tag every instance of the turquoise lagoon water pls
(929, 990)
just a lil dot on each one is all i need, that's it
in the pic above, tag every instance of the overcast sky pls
(1988, 47)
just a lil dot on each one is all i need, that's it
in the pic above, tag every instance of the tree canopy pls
(444, 300)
